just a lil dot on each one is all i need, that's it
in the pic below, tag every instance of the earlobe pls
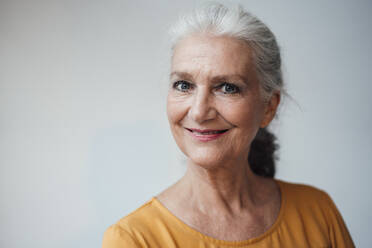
(270, 109)
(266, 120)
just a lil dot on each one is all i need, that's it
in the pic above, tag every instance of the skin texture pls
(219, 195)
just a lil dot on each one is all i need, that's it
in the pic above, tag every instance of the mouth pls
(206, 131)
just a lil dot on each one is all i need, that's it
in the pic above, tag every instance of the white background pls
(84, 138)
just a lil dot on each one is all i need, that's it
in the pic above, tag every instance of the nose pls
(202, 108)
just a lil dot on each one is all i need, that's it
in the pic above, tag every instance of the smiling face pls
(214, 88)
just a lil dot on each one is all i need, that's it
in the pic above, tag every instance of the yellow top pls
(307, 218)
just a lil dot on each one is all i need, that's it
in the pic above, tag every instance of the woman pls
(225, 88)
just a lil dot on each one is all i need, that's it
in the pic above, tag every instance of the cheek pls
(176, 109)
(242, 114)
(246, 117)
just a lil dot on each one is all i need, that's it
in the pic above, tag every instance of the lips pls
(206, 134)
(206, 131)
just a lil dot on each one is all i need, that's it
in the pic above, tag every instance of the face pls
(214, 105)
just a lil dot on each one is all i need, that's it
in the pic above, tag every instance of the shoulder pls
(309, 204)
(115, 237)
(302, 192)
(127, 229)
(306, 202)
(142, 216)
(313, 210)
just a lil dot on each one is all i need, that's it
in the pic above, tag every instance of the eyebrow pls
(227, 77)
(184, 75)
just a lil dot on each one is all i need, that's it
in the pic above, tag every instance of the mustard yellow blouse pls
(307, 218)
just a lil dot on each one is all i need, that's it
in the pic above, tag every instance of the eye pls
(228, 88)
(182, 85)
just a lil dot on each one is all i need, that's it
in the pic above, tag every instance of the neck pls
(227, 188)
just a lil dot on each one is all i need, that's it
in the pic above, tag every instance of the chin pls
(207, 159)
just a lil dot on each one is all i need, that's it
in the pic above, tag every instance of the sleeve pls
(338, 232)
(116, 237)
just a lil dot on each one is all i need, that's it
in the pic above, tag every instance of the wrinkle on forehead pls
(212, 56)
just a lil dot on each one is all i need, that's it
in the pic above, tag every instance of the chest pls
(231, 229)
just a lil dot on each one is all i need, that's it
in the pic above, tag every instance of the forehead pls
(212, 55)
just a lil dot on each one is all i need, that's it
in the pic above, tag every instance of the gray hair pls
(235, 22)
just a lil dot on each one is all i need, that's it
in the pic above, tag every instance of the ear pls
(270, 109)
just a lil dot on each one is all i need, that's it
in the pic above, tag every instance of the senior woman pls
(226, 85)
